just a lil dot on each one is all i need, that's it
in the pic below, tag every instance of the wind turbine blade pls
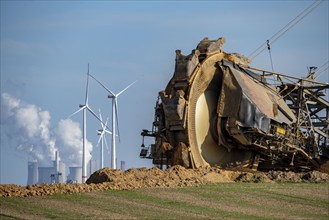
(107, 89)
(107, 131)
(107, 146)
(100, 115)
(80, 109)
(102, 123)
(87, 87)
(93, 113)
(99, 140)
(102, 133)
(126, 88)
(107, 119)
(117, 117)
(104, 127)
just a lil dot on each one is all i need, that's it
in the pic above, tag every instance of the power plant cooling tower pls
(75, 175)
(62, 170)
(32, 173)
(59, 174)
(41, 175)
(46, 174)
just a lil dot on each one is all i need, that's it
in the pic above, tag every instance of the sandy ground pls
(176, 176)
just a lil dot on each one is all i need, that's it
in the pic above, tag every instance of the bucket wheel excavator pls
(218, 111)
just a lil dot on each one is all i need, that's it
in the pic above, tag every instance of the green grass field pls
(219, 201)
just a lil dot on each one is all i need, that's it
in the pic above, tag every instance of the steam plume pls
(28, 129)
(69, 137)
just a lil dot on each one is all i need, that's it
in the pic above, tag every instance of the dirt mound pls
(315, 177)
(311, 176)
(179, 176)
(253, 178)
(176, 176)
(324, 168)
(281, 176)
(10, 190)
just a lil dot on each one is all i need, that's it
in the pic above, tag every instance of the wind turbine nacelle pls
(80, 106)
(110, 96)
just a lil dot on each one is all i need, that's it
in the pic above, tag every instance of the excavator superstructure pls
(218, 111)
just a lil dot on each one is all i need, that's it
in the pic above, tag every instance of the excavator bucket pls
(215, 111)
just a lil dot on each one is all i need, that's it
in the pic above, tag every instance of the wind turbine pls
(102, 139)
(115, 117)
(84, 108)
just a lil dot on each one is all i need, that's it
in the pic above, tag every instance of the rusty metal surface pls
(215, 111)
(258, 103)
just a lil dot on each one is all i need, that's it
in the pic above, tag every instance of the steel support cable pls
(269, 51)
(322, 69)
(283, 75)
(287, 27)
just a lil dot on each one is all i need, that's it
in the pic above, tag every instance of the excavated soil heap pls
(324, 168)
(176, 176)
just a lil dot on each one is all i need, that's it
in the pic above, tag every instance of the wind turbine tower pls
(102, 139)
(84, 107)
(115, 117)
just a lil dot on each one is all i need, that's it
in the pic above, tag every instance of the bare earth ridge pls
(176, 176)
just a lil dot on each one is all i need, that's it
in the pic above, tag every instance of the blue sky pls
(46, 47)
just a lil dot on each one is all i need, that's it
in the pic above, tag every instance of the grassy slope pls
(229, 201)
